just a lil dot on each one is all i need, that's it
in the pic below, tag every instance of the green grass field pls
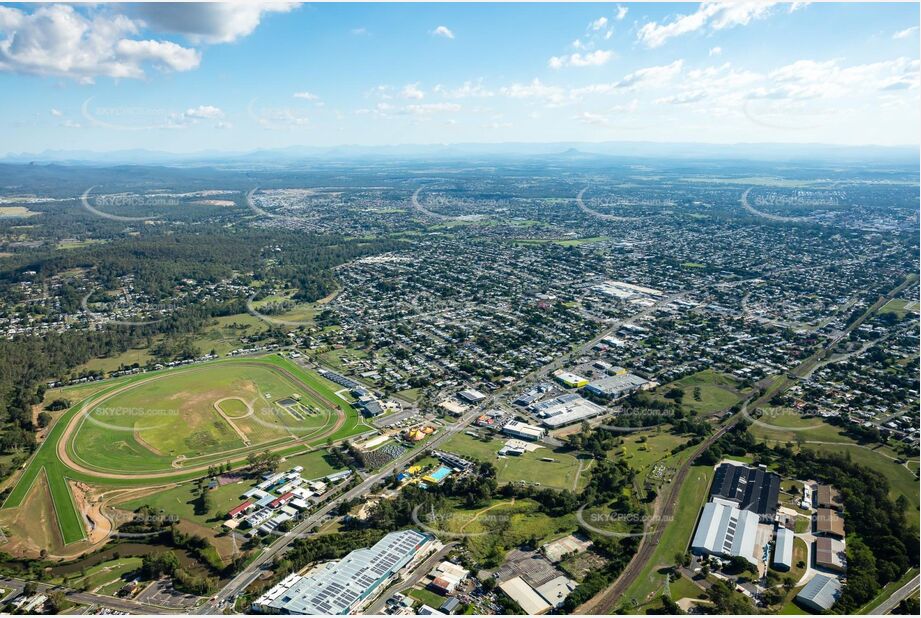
(432, 599)
(145, 428)
(180, 501)
(559, 474)
(502, 525)
(901, 480)
(224, 333)
(105, 578)
(337, 357)
(45, 459)
(900, 307)
(717, 391)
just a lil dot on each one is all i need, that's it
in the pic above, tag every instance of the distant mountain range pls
(774, 152)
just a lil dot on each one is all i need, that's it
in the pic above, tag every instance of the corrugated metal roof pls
(821, 592)
(783, 548)
(726, 530)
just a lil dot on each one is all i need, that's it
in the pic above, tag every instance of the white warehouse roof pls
(726, 531)
(783, 549)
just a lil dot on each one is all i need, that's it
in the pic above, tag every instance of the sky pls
(237, 77)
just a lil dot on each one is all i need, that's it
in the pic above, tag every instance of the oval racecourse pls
(172, 425)
(196, 417)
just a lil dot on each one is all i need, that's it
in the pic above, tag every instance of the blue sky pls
(240, 77)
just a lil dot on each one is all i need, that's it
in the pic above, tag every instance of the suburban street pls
(88, 598)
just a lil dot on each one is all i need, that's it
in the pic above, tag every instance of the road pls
(88, 598)
(902, 593)
(264, 561)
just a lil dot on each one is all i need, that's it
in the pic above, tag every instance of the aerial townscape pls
(631, 327)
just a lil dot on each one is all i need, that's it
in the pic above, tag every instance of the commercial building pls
(750, 489)
(625, 291)
(345, 586)
(615, 386)
(556, 590)
(240, 509)
(783, 549)
(471, 395)
(831, 554)
(517, 429)
(570, 379)
(566, 410)
(446, 577)
(527, 598)
(828, 522)
(820, 593)
(724, 530)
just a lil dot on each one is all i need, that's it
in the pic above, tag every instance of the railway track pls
(607, 602)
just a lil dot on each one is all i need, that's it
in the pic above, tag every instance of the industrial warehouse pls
(345, 586)
(745, 519)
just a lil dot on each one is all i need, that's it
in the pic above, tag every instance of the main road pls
(16, 586)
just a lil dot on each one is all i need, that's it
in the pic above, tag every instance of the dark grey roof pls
(753, 489)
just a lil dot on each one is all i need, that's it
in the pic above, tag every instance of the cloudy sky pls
(188, 77)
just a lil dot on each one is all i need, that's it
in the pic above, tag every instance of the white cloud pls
(590, 59)
(599, 23)
(204, 112)
(421, 109)
(683, 98)
(654, 77)
(56, 113)
(716, 15)
(592, 118)
(211, 22)
(443, 31)
(412, 91)
(164, 54)
(307, 96)
(387, 110)
(715, 51)
(649, 77)
(907, 32)
(535, 90)
(465, 91)
(621, 12)
(807, 79)
(57, 40)
(362, 31)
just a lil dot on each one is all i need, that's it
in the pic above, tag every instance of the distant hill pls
(774, 152)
